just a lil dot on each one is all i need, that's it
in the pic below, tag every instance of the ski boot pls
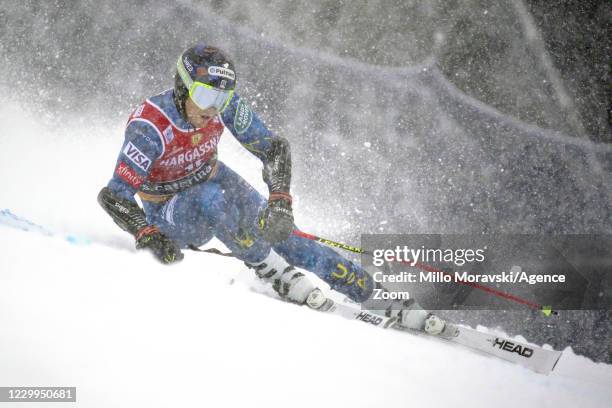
(413, 316)
(289, 283)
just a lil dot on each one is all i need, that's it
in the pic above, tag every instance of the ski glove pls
(164, 249)
(276, 220)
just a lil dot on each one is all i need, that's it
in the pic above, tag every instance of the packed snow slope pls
(79, 306)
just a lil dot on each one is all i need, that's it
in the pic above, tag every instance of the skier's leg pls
(213, 208)
(180, 218)
(227, 207)
(341, 274)
(233, 212)
(346, 277)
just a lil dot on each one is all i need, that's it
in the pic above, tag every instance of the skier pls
(169, 158)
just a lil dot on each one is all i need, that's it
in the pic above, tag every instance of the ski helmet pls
(206, 74)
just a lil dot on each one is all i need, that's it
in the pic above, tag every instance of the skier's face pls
(199, 117)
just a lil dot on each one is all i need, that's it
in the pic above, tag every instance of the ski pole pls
(546, 310)
(330, 242)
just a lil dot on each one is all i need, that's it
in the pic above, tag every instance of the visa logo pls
(137, 157)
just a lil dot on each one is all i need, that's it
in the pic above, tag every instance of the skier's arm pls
(140, 148)
(272, 150)
(276, 222)
(248, 128)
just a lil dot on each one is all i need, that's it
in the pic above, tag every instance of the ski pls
(533, 357)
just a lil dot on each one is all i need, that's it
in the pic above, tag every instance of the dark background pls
(581, 48)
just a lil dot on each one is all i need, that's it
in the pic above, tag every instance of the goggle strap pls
(183, 73)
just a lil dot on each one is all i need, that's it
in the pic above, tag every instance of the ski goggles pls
(204, 95)
(207, 96)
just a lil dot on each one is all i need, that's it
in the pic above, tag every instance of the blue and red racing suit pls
(192, 197)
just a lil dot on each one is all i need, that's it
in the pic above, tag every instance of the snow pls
(128, 332)
(92, 312)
